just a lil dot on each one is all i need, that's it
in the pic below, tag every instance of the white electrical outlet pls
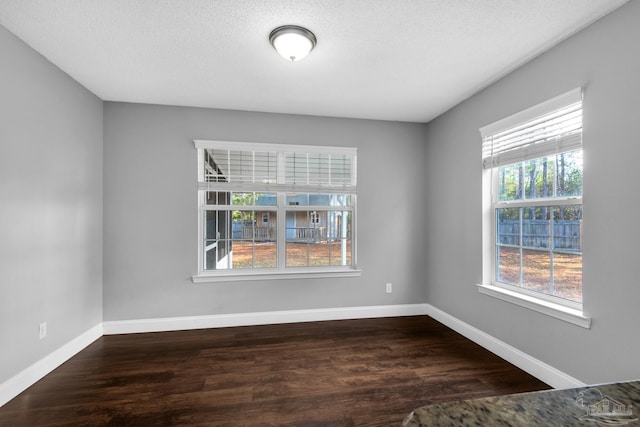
(389, 288)
(43, 330)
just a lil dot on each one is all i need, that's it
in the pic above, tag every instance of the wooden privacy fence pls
(566, 235)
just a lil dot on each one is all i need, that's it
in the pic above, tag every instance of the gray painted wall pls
(605, 60)
(50, 207)
(150, 212)
(51, 165)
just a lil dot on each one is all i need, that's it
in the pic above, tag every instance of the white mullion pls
(307, 245)
(201, 236)
(254, 223)
(201, 165)
(521, 284)
(281, 232)
(542, 202)
(354, 222)
(201, 202)
(551, 258)
(489, 229)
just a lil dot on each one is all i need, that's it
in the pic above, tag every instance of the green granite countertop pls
(606, 404)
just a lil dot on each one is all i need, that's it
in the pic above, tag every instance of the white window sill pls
(234, 276)
(557, 311)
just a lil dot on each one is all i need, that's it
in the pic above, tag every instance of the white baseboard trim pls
(29, 376)
(20, 382)
(544, 372)
(259, 318)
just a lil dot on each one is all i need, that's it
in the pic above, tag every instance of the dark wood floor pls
(369, 372)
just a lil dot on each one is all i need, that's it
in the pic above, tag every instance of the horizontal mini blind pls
(318, 169)
(278, 166)
(552, 127)
(243, 166)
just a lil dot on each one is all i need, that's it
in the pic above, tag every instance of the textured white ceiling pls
(407, 60)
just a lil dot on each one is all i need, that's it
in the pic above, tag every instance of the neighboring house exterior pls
(301, 226)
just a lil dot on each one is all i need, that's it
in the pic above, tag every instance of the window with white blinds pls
(552, 127)
(532, 197)
(275, 210)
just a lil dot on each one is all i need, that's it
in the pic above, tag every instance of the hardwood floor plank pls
(366, 372)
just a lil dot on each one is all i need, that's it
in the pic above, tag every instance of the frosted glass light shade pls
(292, 42)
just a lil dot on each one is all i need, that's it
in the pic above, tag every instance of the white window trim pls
(568, 311)
(208, 276)
(557, 311)
(531, 113)
(261, 275)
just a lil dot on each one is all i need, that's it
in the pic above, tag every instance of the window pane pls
(551, 237)
(218, 198)
(535, 227)
(341, 200)
(222, 165)
(536, 270)
(539, 178)
(508, 262)
(318, 169)
(247, 227)
(567, 276)
(305, 199)
(318, 254)
(297, 254)
(254, 199)
(254, 241)
(295, 199)
(266, 199)
(217, 232)
(265, 255)
(567, 255)
(242, 254)
(235, 239)
(240, 199)
(508, 226)
(339, 236)
(318, 238)
(319, 165)
(340, 252)
(510, 182)
(243, 199)
(569, 167)
(567, 228)
(254, 254)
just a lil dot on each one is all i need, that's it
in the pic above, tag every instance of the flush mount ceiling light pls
(292, 42)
